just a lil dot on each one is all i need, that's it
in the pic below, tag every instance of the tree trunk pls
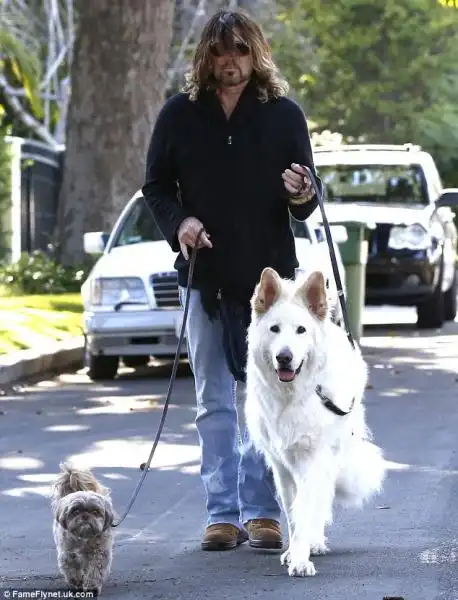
(119, 73)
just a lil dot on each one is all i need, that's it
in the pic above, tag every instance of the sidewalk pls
(54, 357)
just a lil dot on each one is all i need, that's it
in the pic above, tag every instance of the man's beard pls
(231, 76)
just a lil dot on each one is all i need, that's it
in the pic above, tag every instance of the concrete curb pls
(57, 356)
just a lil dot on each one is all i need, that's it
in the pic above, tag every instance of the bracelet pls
(299, 198)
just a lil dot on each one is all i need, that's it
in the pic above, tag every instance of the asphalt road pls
(404, 544)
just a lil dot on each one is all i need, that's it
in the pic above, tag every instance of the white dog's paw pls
(301, 568)
(285, 558)
(318, 549)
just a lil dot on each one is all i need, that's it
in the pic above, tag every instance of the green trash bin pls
(354, 253)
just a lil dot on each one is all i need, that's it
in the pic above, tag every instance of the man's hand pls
(297, 182)
(187, 235)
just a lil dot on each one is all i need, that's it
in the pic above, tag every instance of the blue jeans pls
(237, 483)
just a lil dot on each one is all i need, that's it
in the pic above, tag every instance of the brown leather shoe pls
(264, 533)
(223, 536)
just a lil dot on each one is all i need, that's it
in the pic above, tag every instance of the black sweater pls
(228, 174)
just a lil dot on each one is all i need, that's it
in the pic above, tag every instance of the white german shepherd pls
(316, 455)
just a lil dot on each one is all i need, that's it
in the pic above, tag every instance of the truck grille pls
(165, 288)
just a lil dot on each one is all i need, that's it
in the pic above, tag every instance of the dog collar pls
(329, 404)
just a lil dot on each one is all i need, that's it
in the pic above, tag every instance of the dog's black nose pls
(284, 357)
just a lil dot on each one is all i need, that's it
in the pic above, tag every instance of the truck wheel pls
(102, 367)
(431, 314)
(450, 300)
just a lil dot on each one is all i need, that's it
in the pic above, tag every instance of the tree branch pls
(21, 93)
(52, 68)
(26, 118)
(199, 12)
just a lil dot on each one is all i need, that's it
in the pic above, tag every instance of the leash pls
(145, 466)
(332, 255)
(327, 402)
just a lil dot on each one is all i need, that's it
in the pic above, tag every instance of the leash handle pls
(332, 255)
(145, 466)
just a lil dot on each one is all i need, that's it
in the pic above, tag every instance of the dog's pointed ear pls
(267, 291)
(313, 293)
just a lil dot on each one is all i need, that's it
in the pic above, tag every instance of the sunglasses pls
(240, 48)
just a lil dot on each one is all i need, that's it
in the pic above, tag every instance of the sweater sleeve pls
(160, 189)
(303, 155)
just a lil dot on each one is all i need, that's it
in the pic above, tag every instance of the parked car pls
(412, 250)
(130, 298)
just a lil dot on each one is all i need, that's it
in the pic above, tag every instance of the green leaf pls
(25, 68)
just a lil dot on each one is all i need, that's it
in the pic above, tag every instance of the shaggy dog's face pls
(84, 514)
(287, 321)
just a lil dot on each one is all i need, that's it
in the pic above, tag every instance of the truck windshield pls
(381, 184)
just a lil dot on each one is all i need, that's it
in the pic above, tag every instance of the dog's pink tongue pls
(286, 375)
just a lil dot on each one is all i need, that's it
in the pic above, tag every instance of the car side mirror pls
(449, 197)
(94, 242)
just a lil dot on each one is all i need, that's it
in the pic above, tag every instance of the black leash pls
(145, 466)
(327, 402)
(332, 255)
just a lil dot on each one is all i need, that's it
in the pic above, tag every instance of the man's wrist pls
(301, 198)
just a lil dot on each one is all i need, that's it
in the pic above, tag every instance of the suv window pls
(139, 226)
(384, 184)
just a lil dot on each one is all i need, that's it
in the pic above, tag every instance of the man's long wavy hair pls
(265, 73)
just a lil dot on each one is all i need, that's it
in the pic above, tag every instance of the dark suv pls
(413, 247)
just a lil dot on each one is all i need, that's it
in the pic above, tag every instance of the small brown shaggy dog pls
(83, 515)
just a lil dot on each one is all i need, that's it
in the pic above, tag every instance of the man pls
(225, 154)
